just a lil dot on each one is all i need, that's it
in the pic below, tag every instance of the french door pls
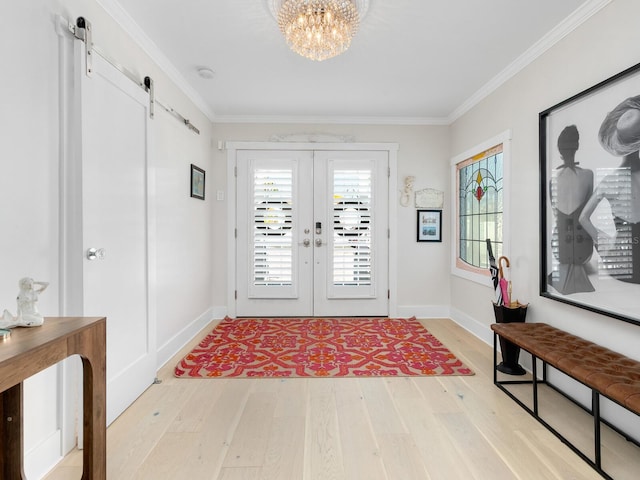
(312, 233)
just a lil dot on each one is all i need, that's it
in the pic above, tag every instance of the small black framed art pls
(197, 182)
(429, 226)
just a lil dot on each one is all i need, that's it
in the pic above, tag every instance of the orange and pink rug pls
(319, 347)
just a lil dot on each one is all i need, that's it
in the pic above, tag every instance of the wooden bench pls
(605, 372)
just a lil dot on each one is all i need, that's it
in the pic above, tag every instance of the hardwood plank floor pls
(403, 428)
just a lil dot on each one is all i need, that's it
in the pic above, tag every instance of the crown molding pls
(330, 120)
(129, 25)
(563, 29)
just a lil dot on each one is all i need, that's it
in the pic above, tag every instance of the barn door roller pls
(83, 32)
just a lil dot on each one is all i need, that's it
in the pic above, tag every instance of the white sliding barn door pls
(312, 233)
(116, 244)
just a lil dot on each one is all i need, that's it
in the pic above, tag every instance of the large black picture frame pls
(589, 210)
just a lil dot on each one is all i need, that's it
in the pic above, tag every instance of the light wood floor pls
(347, 429)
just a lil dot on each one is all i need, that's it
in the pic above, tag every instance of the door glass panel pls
(352, 203)
(272, 220)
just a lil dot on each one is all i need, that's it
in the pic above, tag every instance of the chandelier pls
(318, 29)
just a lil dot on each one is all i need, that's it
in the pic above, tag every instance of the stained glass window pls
(480, 208)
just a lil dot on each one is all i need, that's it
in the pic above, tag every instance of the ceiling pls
(412, 61)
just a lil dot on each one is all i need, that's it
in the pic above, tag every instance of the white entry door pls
(312, 233)
(115, 244)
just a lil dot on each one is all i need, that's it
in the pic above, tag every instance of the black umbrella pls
(493, 268)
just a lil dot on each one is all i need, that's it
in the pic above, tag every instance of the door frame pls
(233, 147)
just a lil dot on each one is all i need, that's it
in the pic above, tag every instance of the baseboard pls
(40, 460)
(480, 330)
(423, 311)
(180, 339)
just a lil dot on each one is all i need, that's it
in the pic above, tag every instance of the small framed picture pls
(197, 182)
(429, 225)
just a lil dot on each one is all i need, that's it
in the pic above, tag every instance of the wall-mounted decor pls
(590, 198)
(405, 193)
(430, 198)
(429, 225)
(197, 182)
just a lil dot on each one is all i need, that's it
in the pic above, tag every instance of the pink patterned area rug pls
(319, 347)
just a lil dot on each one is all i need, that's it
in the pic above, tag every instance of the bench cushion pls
(608, 372)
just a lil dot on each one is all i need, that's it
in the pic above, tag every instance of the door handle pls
(318, 242)
(96, 253)
(306, 242)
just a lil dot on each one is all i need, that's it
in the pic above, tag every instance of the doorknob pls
(306, 242)
(96, 253)
(318, 242)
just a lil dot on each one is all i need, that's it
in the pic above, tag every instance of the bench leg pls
(534, 372)
(495, 358)
(595, 409)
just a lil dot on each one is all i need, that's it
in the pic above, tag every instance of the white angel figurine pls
(28, 314)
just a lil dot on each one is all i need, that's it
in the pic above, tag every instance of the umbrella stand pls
(515, 312)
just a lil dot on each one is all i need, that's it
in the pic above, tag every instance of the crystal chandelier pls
(319, 29)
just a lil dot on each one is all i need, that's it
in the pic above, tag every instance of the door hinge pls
(388, 233)
(236, 294)
(388, 294)
(235, 171)
(388, 172)
(235, 233)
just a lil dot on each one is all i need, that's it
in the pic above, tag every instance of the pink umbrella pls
(505, 286)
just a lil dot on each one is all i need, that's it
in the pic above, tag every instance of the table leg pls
(11, 433)
(94, 407)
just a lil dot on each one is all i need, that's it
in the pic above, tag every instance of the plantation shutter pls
(351, 213)
(272, 253)
(352, 202)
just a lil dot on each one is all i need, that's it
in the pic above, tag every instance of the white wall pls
(603, 46)
(29, 197)
(423, 153)
(28, 184)
(184, 234)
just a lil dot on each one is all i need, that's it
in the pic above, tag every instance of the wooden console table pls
(31, 350)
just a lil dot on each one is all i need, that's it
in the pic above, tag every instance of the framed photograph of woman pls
(590, 198)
